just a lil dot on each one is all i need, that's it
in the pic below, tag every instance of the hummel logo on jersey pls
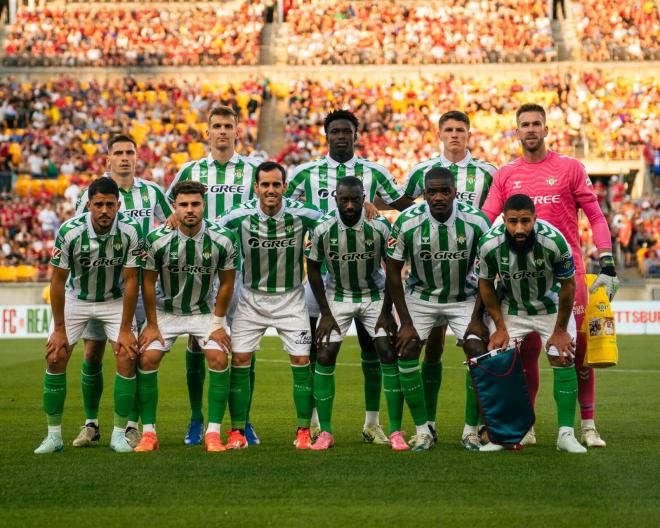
(304, 337)
(101, 262)
(138, 213)
(517, 184)
(271, 244)
(224, 188)
(351, 257)
(519, 275)
(203, 270)
(426, 240)
(505, 260)
(333, 241)
(324, 193)
(444, 255)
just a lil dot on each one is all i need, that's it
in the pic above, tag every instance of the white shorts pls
(172, 326)
(427, 315)
(367, 312)
(106, 316)
(94, 329)
(286, 312)
(520, 326)
(310, 301)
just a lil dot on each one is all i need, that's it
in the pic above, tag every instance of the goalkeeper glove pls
(607, 277)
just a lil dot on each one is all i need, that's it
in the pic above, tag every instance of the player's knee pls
(241, 359)
(148, 361)
(93, 352)
(474, 347)
(126, 366)
(216, 359)
(560, 362)
(386, 352)
(299, 361)
(326, 354)
(411, 351)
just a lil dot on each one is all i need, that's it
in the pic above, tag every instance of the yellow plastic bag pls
(598, 325)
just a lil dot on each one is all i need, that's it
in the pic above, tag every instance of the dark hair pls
(519, 202)
(103, 185)
(350, 181)
(456, 115)
(120, 138)
(530, 107)
(438, 173)
(224, 111)
(340, 114)
(269, 166)
(188, 187)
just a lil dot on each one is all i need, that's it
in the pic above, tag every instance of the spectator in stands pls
(48, 219)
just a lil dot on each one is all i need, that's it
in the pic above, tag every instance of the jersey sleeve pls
(563, 265)
(60, 253)
(231, 219)
(396, 244)
(486, 262)
(413, 186)
(296, 185)
(386, 187)
(230, 258)
(149, 261)
(183, 175)
(81, 203)
(495, 201)
(316, 251)
(135, 245)
(310, 215)
(162, 209)
(588, 201)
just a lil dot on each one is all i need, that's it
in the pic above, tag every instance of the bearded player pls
(558, 186)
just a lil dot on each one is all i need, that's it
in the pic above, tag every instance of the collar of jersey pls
(344, 227)
(450, 221)
(263, 216)
(93, 234)
(137, 182)
(233, 160)
(333, 164)
(197, 237)
(462, 164)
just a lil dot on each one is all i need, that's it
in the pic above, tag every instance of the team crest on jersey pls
(369, 242)
(206, 255)
(289, 229)
(517, 184)
(551, 180)
(461, 239)
(238, 173)
(145, 194)
(470, 180)
(116, 246)
(538, 261)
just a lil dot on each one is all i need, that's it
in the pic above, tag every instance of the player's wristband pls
(606, 262)
(218, 323)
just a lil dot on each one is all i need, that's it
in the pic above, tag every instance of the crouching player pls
(353, 249)
(185, 261)
(535, 264)
(96, 260)
(440, 237)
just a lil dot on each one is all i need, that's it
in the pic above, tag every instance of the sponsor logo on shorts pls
(138, 213)
(351, 257)
(520, 275)
(444, 255)
(271, 244)
(202, 270)
(224, 188)
(103, 262)
(304, 337)
(547, 199)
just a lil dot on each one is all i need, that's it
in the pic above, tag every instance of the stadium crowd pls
(191, 35)
(619, 31)
(374, 32)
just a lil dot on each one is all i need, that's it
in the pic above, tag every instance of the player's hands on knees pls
(370, 211)
(172, 222)
(220, 336)
(477, 327)
(499, 339)
(386, 322)
(149, 334)
(405, 336)
(57, 347)
(126, 344)
(324, 329)
(563, 342)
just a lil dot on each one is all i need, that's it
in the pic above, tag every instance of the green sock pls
(253, 368)
(218, 394)
(471, 404)
(393, 395)
(413, 390)
(195, 373)
(303, 398)
(147, 384)
(432, 379)
(92, 388)
(324, 394)
(239, 395)
(565, 391)
(54, 396)
(125, 389)
(372, 379)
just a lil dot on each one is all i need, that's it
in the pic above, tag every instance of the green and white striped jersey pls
(472, 177)
(272, 247)
(188, 266)
(441, 254)
(353, 256)
(144, 202)
(95, 262)
(317, 180)
(531, 283)
(228, 185)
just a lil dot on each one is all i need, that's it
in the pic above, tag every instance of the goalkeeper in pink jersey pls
(558, 186)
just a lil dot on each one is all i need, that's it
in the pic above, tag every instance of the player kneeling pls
(186, 260)
(535, 264)
(97, 255)
(353, 249)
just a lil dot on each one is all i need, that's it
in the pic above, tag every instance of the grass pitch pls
(350, 485)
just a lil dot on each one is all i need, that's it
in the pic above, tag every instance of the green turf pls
(353, 484)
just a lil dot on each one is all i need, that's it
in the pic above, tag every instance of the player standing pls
(145, 202)
(558, 186)
(271, 232)
(228, 177)
(95, 264)
(317, 181)
(473, 179)
(185, 261)
(439, 237)
(535, 265)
